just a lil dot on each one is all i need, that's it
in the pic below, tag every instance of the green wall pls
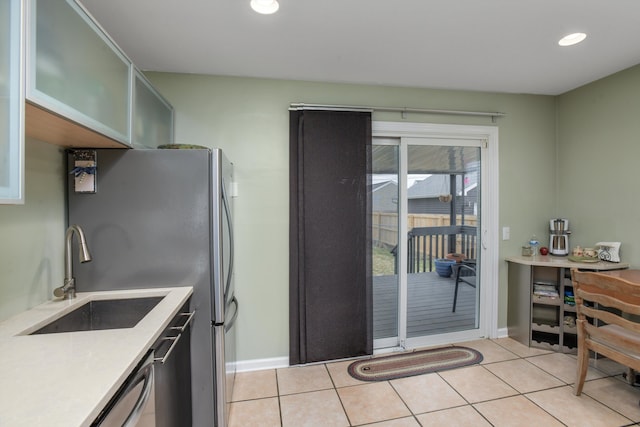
(591, 183)
(32, 235)
(598, 156)
(249, 119)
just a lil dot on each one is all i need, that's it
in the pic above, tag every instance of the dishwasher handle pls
(146, 374)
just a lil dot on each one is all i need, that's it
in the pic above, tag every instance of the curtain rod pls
(302, 106)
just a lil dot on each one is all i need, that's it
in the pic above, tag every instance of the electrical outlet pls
(506, 233)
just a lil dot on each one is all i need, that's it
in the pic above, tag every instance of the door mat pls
(413, 363)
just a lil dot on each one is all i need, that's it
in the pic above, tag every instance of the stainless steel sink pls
(102, 314)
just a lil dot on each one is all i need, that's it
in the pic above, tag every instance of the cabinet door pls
(152, 115)
(173, 376)
(11, 102)
(75, 70)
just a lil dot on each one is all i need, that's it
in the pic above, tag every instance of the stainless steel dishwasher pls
(158, 392)
(134, 403)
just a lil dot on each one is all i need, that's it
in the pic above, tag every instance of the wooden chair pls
(603, 305)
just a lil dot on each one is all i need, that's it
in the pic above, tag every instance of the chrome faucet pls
(68, 290)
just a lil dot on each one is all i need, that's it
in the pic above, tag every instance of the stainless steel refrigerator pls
(162, 218)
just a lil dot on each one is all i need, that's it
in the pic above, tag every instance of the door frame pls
(488, 238)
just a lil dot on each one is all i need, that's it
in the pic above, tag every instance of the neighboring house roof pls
(385, 196)
(435, 185)
(379, 185)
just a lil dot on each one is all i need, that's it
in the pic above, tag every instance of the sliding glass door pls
(426, 208)
(442, 217)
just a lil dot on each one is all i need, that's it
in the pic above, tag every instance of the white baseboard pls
(262, 364)
(503, 333)
(283, 362)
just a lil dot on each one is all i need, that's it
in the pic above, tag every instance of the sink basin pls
(102, 314)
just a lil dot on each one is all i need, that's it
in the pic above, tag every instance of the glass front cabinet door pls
(11, 102)
(152, 115)
(76, 70)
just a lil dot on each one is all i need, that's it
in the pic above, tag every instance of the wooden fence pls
(385, 225)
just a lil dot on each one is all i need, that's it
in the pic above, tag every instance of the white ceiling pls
(483, 45)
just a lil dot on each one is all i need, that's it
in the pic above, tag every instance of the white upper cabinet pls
(81, 89)
(11, 102)
(76, 71)
(152, 123)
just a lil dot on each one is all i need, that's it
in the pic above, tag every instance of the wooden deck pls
(430, 300)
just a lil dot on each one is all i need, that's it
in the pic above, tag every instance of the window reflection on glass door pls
(384, 206)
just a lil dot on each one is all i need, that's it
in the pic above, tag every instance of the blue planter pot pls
(443, 267)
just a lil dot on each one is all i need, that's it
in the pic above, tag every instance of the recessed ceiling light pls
(266, 7)
(572, 39)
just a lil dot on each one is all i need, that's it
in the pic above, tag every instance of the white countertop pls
(65, 379)
(558, 261)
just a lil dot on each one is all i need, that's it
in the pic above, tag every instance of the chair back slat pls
(617, 341)
(622, 358)
(610, 318)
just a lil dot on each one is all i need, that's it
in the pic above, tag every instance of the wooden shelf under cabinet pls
(536, 299)
(46, 126)
(543, 327)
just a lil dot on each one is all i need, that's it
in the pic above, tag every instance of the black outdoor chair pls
(465, 272)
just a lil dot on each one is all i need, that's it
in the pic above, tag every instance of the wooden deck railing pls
(424, 244)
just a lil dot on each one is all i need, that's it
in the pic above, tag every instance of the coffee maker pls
(559, 236)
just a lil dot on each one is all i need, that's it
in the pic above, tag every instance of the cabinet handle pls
(186, 323)
(164, 358)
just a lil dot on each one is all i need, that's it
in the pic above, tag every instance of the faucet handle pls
(66, 291)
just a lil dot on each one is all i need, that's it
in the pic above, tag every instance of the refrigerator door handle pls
(225, 203)
(229, 325)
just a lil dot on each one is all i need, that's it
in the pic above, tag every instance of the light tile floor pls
(513, 386)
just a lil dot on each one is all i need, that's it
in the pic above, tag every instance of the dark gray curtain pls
(330, 292)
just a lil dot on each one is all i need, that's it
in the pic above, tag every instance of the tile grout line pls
(338, 395)
(519, 393)
(413, 415)
(463, 398)
(279, 400)
(565, 384)
(603, 370)
(572, 384)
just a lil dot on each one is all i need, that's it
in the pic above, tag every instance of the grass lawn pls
(383, 262)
